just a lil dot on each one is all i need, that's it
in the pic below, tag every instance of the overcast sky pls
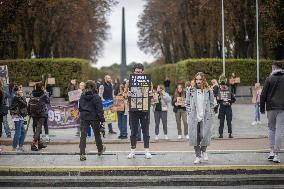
(112, 48)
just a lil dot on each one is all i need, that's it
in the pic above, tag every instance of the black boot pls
(41, 145)
(33, 146)
(230, 135)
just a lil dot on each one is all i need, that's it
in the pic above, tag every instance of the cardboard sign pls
(51, 81)
(237, 80)
(110, 116)
(140, 85)
(118, 104)
(74, 95)
(180, 101)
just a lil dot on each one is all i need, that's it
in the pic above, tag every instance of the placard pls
(140, 85)
(110, 116)
(51, 81)
(74, 95)
(118, 104)
(180, 101)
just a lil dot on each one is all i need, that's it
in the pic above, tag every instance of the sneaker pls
(197, 160)
(276, 159)
(166, 137)
(259, 123)
(205, 156)
(41, 145)
(131, 155)
(14, 149)
(77, 133)
(271, 156)
(179, 136)
(21, 149)
(156, 137)
(34, 147)
(220, 136)
(231, 136)
(102, 151)
(83, 157)
(254, 123)
(187, 136)
(148, 155)
(45, 138)
(112, 132)
(9, 136)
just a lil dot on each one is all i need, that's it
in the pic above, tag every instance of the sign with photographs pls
(62, 117)
(180, 101)
(140, 85)
(74, 95)
(118, 104)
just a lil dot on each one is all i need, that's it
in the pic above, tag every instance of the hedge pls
(186, 69)
(22, 71)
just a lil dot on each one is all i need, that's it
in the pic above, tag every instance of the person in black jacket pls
(38, 115)
(225, 99)
(91, 113)
(272, 99)
(18, 111)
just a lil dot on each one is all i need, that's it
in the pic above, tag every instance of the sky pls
(112, 47)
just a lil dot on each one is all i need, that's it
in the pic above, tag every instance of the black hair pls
(278, 64)
(138, 66)
(16, 88)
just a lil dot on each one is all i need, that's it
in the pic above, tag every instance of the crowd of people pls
(194, 104)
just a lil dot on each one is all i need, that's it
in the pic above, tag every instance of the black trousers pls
(38, 121)
(1, 125)
(134, 118)
(84, 125)
(225, 112)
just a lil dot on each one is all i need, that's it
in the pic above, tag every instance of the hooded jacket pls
(91, 107)
(43, 97)
(272, 95)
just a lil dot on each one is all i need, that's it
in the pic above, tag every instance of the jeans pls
(84, 125)
(122, 123)
(198, 149)
(257, 112)
(161, 115)
(6, 126)
(143, 118)
(19, 136)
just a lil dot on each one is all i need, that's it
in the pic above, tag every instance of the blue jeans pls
(19, 136)
(122, 123)
(257, 112)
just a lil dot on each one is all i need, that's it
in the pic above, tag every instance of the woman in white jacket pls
(161, 101)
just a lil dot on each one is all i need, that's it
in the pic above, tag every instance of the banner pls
(62, 117)
(74, 95)
(140, 85)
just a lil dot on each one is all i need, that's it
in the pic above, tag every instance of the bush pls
(186, 69)
(22, 71)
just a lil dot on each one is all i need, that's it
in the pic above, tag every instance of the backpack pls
(35, 107)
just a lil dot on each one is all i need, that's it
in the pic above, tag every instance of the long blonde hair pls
(205, 84)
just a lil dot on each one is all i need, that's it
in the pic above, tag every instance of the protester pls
(233, 83)
(116, 87)
(256, 102)
(36, 109)
(91, 114)
(122, 117)
(200, 104)
(160, 108)
(8, 96)
(272, 100)
(225, 99)
(143, 117)
(167, 84)
(72, 85)
(106, 93)
(215, 89)
(180, 110)
(2, 104)
(18, 111)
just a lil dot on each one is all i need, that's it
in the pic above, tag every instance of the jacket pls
(43, 97)
(272, 93)
(165, 101)
(19, 106)
(91, 107)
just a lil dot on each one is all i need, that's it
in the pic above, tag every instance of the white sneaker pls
(131, 155)
(254, 123)
(197, 160)
(21, 149)
(276, 159)
(205, 156)
(179, 136)
(259, 122)
(187, 136)
(166, 137)
(148, 154)
(271, 156)
(156, 137)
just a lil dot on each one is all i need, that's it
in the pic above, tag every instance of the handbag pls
(4, 109)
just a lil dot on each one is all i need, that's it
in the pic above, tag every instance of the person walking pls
(200, 104)
(225, 99)
(139, 116)
(18, 111)
(271, 100)
(106, 91)
(91, 114)
(160, 108)
(256, 102)
(180, 110)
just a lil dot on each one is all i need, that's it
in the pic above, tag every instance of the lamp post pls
(223, 39)
(257, 45)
